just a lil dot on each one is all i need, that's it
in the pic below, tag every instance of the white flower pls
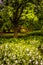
(41, 62)
(1, 64)
(36, 63)
(16, 61)
(27, 49)
(30, 60)
(8, 63)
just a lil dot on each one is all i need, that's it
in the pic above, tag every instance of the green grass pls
(10, 35)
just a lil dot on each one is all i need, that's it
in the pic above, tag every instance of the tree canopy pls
(17, 13)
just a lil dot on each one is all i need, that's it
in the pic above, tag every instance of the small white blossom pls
(1, 64)
(8, 63)
(27, 49)
(16, 61)
(30, 60)
(36, 63)
(41, 62)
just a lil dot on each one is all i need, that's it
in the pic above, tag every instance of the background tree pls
(21, 12)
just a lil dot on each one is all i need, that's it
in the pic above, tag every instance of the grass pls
(33, 33)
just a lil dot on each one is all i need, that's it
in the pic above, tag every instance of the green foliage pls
(6, 24)
(19, 54)
(26, 40)
(24, 12)
(21, 51)
(29, 18)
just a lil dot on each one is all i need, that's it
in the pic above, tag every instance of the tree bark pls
(16, 30)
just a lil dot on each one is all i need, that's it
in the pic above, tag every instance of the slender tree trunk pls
(16, 30)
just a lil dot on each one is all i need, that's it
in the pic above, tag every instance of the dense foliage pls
(23, 20)
(17, 13)
(21, 51)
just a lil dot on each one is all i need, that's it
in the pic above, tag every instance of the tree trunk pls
(16, 30)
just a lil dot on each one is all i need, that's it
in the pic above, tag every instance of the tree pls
(15, 10)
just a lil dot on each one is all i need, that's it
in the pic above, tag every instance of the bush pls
(19, 54)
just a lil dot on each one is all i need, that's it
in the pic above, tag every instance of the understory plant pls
(20, 54)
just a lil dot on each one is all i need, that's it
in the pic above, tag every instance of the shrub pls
(19, 54)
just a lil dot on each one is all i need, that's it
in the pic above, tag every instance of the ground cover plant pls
(21, 51)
